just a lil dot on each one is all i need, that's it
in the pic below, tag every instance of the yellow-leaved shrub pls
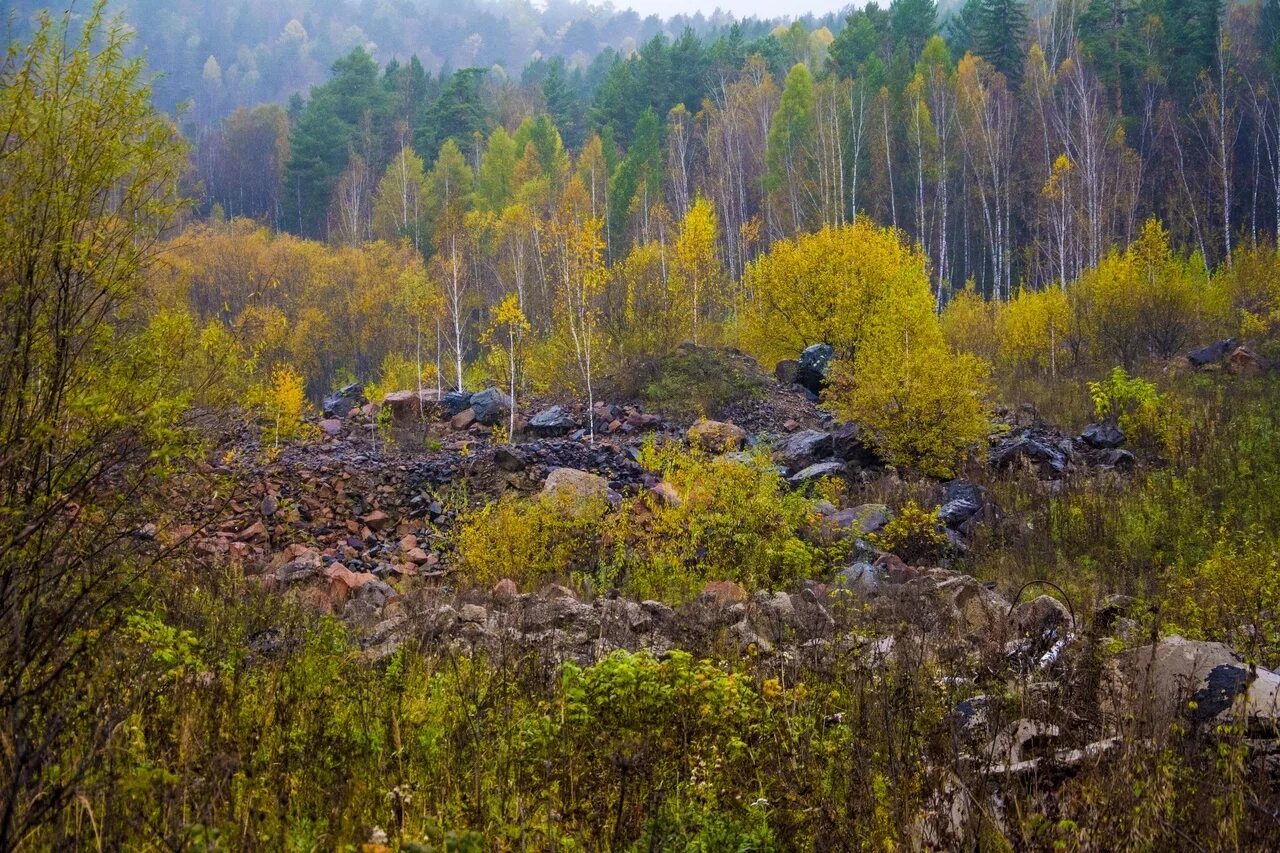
(532, 541)
(862, 290)
(1232, 596)
(721, 518)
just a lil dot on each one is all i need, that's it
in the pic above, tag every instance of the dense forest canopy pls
(218, 55)
(1019, 146)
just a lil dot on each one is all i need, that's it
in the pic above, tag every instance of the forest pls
(523, 426)
(1015, 171)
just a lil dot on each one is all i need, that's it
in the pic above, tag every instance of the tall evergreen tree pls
(337, 120)
(962, 26)
(999, 36)
(854, 44)
(1191, 29)
(913, 22)
(639, 173)
(1269, 32)
(458, 114)
(1110, 32)
(563, 104)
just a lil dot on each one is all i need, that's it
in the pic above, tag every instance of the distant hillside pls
(218, 54)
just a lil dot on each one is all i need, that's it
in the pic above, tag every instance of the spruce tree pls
(913, 22)
(999, 35)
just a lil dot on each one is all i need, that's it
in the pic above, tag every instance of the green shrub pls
(914, 534)
(1147, 417)
(730, 520)
(532, 541)
(1233, 596)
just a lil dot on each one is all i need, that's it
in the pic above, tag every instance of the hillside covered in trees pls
(515, 426)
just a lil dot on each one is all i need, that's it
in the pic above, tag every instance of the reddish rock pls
(412, 407)
(289, 554)
(725, 592)
(343, 582)
(417, 555)
(408, 543)
(641, 421)
(556, 590)
(1246, 362)
(256, 532)
(505, 590)
(666, 494)
(376, 520)
(331, 427)
(896, 570)
(463, 419)
(717, 436)
(790, 425)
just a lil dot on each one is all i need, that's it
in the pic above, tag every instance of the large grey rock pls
(1205, 682)
(814, 365)
(552, 422)
(955, 513)
(848, 442)
(804, 448)
(816, 472)
(303, 567)
(509, 459)
(863, 580)
(1102, 436)
(341, 402)
(1214, 352)
(1049, 461)
(491, 406)
(454, 402)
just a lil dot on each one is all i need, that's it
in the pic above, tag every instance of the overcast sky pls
(740, 8)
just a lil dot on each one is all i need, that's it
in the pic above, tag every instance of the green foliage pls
(695, 381)
(1000, 26)
(174, 650)
(1232, 596)
(791, 131)
(731, 520)
(321, 142)
(1137, 407)
(93, 413)
(914, 534)
(532, 541)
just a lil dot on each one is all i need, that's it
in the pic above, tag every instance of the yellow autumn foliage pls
(1033, 330)
(862, 290)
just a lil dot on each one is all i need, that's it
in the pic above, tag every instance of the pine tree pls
(458, 114)
(913, 22)
(563, 104)
(327, 131)
(962, 27)
(854, 44)
(999, 36)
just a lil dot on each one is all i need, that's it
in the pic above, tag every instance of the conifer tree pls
(999, 35)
